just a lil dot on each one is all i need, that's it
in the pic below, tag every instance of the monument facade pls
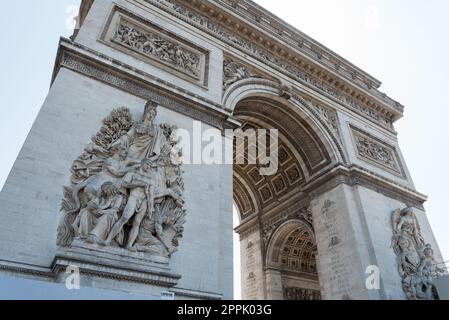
(105, 183)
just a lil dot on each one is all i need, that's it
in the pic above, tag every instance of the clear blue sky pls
(403, 43)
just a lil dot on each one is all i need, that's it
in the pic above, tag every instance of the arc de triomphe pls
(339, 218)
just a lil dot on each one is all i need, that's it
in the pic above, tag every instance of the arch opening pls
(276, 229)
(291, 263)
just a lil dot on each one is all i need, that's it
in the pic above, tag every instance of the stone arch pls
(305, 144)
(261, 88)
(307, 150)
(291, 264)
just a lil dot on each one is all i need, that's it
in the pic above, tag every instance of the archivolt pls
(254, 89)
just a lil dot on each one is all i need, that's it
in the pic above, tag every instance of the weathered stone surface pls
(310, 231)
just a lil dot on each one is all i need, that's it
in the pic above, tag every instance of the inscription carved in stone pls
(416, 264)
(339, 258)
(126, 188)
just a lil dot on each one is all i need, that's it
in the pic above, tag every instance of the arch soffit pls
(280, 234)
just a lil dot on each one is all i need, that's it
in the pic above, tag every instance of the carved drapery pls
(416, 264)
(126, 188)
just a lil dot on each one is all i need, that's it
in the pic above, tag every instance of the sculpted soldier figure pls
(95, 221)
(141, 186)
(416, 264)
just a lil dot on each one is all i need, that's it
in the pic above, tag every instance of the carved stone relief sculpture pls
(147, 41)
(234, 71)
(126, 188)
(416, 264)
(155, 46)
(377, 152)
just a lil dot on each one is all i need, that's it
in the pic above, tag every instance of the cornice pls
(100, 67)
(289, 54)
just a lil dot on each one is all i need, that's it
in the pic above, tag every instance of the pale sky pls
(403, 43)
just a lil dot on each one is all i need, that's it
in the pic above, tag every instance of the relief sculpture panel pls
(126, 189)
(147, 41)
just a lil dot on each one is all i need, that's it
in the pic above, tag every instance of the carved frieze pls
(375, 151)
(150, 42)
(126, 188)
(305, 214)
(295, 293)
(416, 263)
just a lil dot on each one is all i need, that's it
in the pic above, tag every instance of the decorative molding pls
(196, 294)
(355, 100)
(149, 276)
(146, 41)
(329, 116)
(126, 174)
(271, 225)
(243, 199)
(91, 64)
(375, 151)
(234, 71)
(278, 29)
(297, 130)
(26, 269)
(329, 121)
(248, 231)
